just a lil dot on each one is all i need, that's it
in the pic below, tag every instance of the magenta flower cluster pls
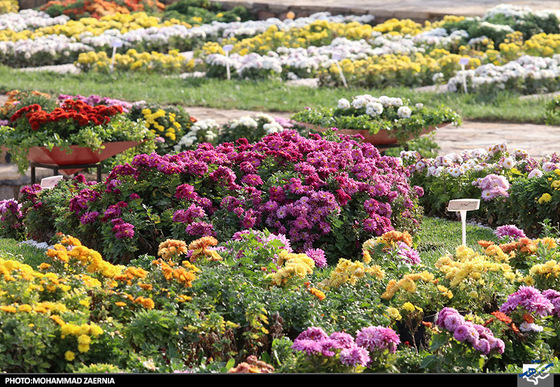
(532, 300)
(326, 197)
(509, 231)
(480, 337)
(11, 216)
(352, 351)
(408, 254)
(305, 188)
(554, 297)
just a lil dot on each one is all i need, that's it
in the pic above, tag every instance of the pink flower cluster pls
(481, 337)
(352, 351)
(326, 197)
(493, 186)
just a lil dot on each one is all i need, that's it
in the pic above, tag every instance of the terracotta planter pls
(382, 139)
(78, 156)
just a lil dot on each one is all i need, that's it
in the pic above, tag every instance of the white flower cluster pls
(516, 12)
(492, 159)
(245, 66)
(440, 38)
(45, 50)
(375, 106)
(269, 123)
(244, 121)
(207, 128)
(256, 62)
(29, 19)
(526, 68)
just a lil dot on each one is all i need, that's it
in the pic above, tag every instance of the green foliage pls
(199, 12)
(386, 116)
(553, 111)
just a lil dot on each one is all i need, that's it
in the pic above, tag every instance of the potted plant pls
(71, 132)
(383, 121)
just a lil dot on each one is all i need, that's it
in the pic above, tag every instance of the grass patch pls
(266, 96)
(440, 236)
(436, 238)
(21, 252)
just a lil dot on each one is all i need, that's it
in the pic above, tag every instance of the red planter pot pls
(78, 155)
(382, 139)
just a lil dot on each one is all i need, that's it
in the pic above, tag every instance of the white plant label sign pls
(227, 48)
(462, 206)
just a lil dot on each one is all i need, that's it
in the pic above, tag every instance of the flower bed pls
(506, 42)
(166, 312)
(514, 188)
(256, 248)
(321, 194)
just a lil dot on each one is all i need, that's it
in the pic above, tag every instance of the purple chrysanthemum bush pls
(320, 194)
(370, 349)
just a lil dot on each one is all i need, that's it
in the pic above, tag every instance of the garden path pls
(383, 9)
(537, 140)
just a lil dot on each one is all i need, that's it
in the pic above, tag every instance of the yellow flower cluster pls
(83, 333)
(90, 26)
(291, 265)
(45, 307)
(548, 269)
(155, 121)
(399, 69)
(132, 60)
(544, 275)
(555, 185)
(469, 267)
(7, 6)
(409, 283)
(400, 27)
(71, 251)
(13, 271)
(35, 281)
(10, 268)
(388, 240)
(200, 248)
(545, 198)
(349, 272)
(542, 44)
(394, 313)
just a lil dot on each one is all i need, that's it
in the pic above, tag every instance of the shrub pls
(514, 187)
(324, 194)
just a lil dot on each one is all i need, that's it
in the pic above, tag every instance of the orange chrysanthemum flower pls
(485, 244)
(502, 317)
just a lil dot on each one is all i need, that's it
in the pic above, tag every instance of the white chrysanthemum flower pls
(404, 112)
(374, 109)
(508, 163)
(343, 103)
